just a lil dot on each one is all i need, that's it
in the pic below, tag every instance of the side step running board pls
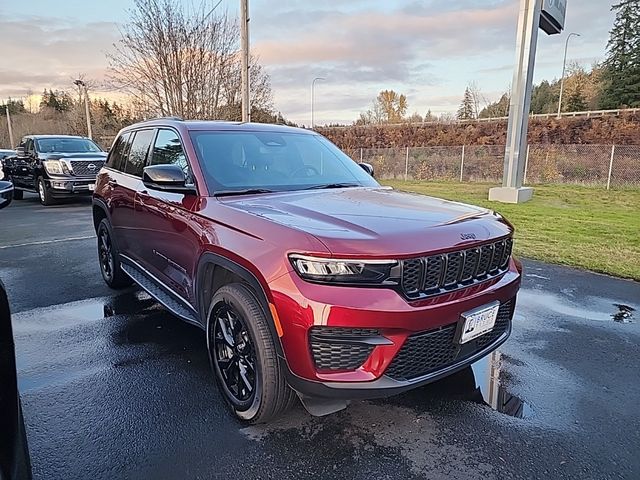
(158, 291)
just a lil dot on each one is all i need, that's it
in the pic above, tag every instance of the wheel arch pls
(215, 271)
(100, 211)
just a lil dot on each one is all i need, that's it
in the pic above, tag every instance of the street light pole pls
(313, 99)
(244, 40)
(564, 67)
(12, 145)
(81, 84)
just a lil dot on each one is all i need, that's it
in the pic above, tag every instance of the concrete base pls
(510, 194)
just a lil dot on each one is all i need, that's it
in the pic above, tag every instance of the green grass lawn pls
(583, 227)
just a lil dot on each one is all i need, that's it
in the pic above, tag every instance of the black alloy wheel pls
(244, 357)
(105, 254)
(109, 259)
(234, 354)
(17, 194)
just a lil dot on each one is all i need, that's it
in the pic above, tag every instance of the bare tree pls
(177, 61)
(478, 98)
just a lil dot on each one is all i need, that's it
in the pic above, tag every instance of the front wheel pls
(44, 193)
(244, 357)
(17, 194)
(110, 267)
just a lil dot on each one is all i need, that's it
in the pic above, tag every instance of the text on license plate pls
(478, 321)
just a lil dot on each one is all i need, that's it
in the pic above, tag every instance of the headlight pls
(54, 167)
(359, 272)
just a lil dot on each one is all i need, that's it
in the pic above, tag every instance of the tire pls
(109, 259)
(17, 194)
(44, 194)
(270, 395)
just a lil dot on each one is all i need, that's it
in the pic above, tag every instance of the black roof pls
(218, 125)
(37, 137)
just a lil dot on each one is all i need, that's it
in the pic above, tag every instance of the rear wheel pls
(244, 356)
(110, 267)
(44, 193)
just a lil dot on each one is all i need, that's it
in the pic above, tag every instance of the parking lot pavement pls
(115, 387)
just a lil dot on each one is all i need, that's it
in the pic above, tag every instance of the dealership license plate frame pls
(475, 323)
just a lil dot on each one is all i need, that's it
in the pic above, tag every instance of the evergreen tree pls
(58, 101)
(15, 107)
(544, 97)
(576, 101)
(497, 109)
(622, 66)
(467, 107)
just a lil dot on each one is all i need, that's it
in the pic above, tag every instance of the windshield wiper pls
(248, 191)
(332, 185)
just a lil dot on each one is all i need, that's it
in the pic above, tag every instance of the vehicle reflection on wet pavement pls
(116, 387)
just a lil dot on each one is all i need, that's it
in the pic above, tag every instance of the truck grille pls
(336, 348)
(428, 352)
(450, 271)
(81, 168)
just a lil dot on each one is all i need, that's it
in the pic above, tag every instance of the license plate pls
(92, 187)
(477, 322)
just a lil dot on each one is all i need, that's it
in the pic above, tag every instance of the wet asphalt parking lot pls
(115, 387)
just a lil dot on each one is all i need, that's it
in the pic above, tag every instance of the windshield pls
(66, 145)
(267, 161)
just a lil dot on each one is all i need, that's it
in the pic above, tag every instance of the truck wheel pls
(17, 194)
(244, 357)
(44, 193)
(109, 258)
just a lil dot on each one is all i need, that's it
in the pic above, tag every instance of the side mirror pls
(167, 178)
(6, 194)
(367, 167)
(21, 152)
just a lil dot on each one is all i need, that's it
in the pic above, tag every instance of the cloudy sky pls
(428, 49)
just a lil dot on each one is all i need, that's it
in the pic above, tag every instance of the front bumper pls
(302, 306)
(66, 186)
(384, 386)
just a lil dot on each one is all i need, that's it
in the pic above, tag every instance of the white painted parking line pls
(46, 242)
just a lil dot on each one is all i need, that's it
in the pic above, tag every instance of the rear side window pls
(117, 155)
(138, 152)
(167, 149)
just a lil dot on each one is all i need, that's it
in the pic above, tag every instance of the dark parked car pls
(306, 275)
(54, 166)
(14, 454)
(4, 154)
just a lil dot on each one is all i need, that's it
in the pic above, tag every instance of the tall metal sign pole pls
(534, 14)
(244, 40)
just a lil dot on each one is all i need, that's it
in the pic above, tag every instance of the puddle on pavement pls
(485, 382)
(624, 313)
(597, 309)
(84, 311)
(490, 378)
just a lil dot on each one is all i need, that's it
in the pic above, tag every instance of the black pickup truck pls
(54, 166)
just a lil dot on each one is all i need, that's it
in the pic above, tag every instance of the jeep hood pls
(376, 221)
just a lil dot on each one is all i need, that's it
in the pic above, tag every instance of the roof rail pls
(172, 117)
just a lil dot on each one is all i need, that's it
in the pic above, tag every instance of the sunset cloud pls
(427, 49)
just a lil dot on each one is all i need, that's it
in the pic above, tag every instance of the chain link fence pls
(595, 165)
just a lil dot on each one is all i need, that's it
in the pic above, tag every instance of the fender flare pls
(97, 202)
(210, 258)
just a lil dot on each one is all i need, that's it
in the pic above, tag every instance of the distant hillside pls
(619, 130)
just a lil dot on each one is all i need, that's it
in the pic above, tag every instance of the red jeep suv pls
(307, 276)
